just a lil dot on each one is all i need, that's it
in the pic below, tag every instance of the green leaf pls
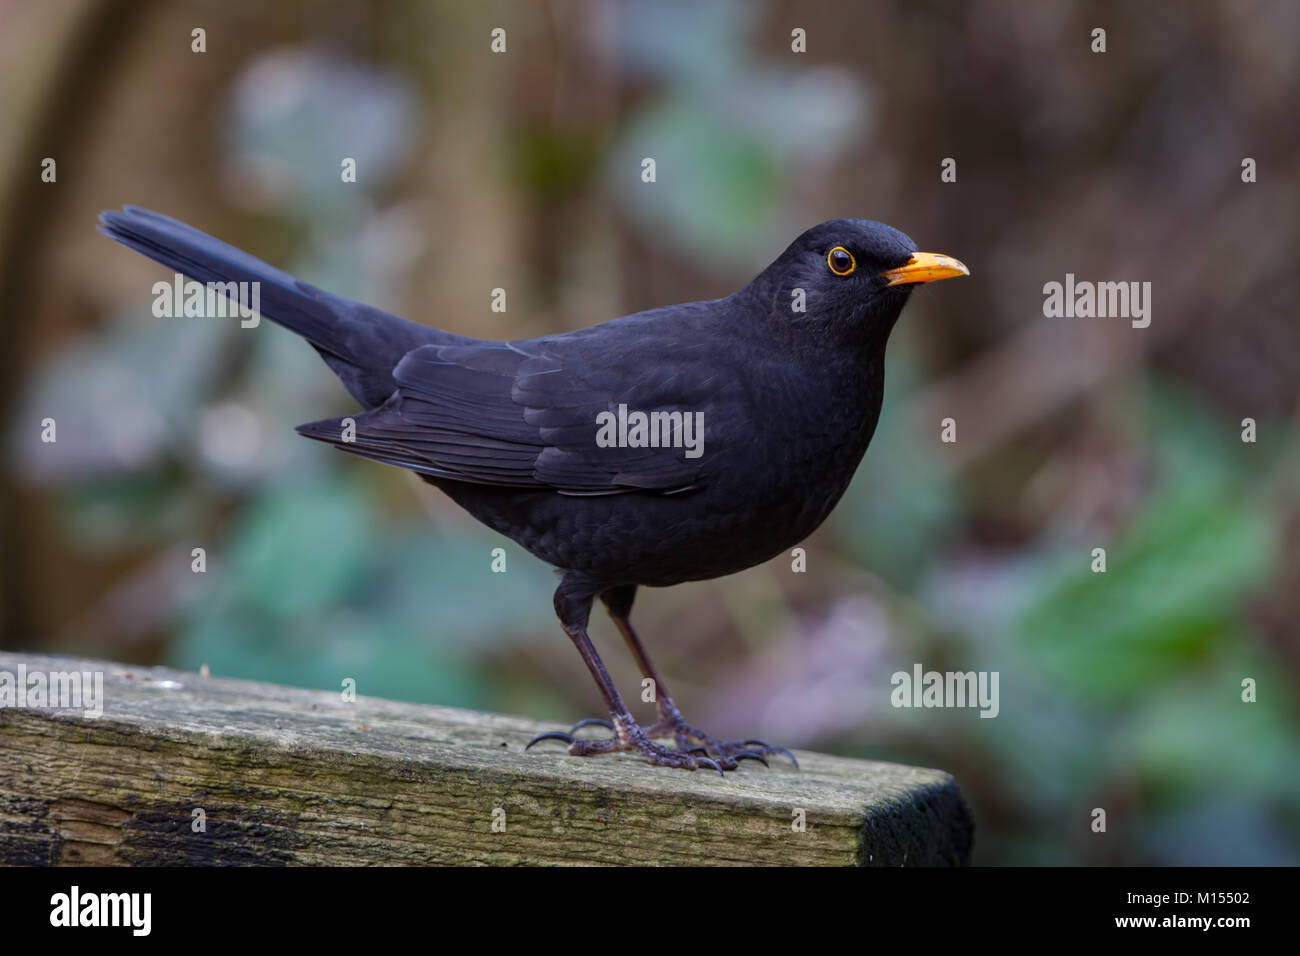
(1174, 584)
(302, 546)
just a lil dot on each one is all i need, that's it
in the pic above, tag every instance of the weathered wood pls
(289, 776)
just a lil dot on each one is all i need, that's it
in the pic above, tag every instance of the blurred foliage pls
(1119, 690)
(1175, 580)
(316, 583)
(726, 127)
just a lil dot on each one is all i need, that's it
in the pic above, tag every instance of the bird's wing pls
(524, 414)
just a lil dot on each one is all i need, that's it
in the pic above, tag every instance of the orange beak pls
(925, 267)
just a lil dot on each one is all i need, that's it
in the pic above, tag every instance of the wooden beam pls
(281, 775)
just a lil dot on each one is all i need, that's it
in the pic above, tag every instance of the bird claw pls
(707, 762)
(708, 753)
(592, 722)
(729, 760)
(634, 739)
(769, 749)
(728, 752)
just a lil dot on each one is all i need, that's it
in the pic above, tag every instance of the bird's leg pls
(573, 605)
(618, 601)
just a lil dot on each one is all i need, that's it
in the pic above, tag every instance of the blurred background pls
(521, 170)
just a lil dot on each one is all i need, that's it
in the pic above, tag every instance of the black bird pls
(785, 377)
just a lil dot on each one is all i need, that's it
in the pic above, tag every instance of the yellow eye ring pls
(840, 261)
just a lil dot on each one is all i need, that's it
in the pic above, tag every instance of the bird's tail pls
(361, 344)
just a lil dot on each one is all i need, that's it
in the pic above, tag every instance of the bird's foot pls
(628, 735)
(692, 741)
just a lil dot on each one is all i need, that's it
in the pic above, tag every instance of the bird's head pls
(847, 280)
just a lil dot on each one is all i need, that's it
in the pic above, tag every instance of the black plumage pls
(789, 398)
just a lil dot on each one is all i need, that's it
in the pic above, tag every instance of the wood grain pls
(289, 776)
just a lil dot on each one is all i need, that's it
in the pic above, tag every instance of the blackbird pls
(678, 444)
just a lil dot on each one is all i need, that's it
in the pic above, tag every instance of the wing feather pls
(524, 414)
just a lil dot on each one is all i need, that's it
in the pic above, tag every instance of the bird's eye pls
(841, 261)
